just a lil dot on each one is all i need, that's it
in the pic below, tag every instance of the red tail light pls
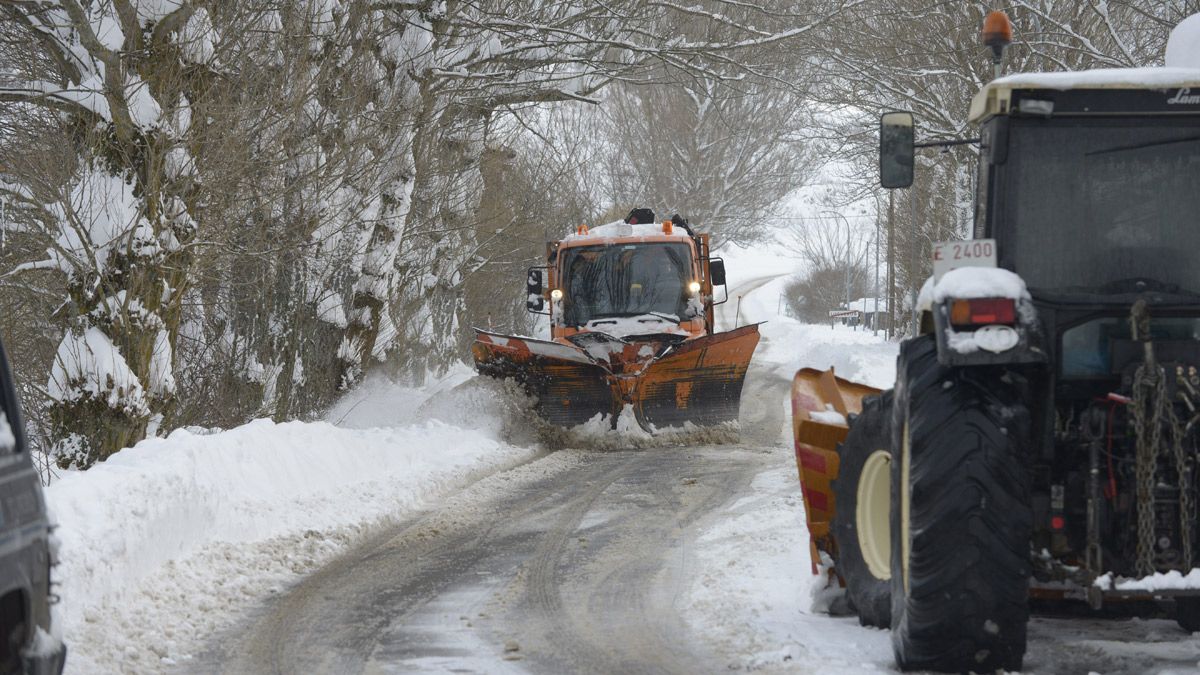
(983, 311)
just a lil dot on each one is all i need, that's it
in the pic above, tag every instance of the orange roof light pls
(582, 229)
(667, 227)
(997, 30)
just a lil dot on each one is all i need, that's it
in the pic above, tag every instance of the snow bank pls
(788, 345)
(1160, 581)
(752, 593)
(164, 542)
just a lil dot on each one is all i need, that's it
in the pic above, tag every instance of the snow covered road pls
(579, 562)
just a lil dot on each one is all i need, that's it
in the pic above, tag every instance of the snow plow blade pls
(665, 381)
(821, 405)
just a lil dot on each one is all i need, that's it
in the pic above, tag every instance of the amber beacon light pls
(997, 34)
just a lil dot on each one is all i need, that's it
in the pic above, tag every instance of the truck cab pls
(631, 279)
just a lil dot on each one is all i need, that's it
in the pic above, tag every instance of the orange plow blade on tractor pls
(821, 404)
(632, 328)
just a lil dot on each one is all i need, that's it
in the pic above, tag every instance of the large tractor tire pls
(862, 521)
(962, 521)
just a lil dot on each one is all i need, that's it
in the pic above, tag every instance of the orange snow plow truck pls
(630, 307)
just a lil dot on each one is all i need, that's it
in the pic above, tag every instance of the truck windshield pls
(625, 280)
(1092, 202)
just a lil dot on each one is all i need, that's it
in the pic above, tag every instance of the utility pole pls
(891, 274)
(912, 257)
(849, 252)
(875, 288)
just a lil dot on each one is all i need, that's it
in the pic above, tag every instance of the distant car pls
(26, 645)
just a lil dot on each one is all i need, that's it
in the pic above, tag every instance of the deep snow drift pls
(165, 542)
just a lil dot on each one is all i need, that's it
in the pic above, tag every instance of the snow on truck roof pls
(622, 230)
(994, 98)
(1182, 71)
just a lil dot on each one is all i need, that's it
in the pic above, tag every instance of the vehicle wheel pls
(861, 522)
(961, 516)
(1187, 613)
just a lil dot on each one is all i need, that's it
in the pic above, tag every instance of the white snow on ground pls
(759, 275)
(164, 544)
(1159, 581)
(788, 344)
(753, 593)
(753, 598)
(753, 590)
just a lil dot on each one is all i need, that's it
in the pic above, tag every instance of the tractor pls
(1043, 434)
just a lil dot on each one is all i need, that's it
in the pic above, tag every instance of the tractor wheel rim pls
(872, 517)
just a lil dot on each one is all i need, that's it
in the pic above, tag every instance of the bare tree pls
(926, 57)
(121, 227)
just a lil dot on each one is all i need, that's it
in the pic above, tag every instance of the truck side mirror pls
(716, 272)
(534, 282)
(897, 133)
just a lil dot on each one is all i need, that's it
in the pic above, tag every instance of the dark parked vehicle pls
(25, 549)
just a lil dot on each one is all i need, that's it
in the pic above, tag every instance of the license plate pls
(951, 255)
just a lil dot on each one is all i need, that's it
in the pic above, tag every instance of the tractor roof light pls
(998, 35)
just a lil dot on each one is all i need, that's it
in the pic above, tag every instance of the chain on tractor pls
(1154, 412)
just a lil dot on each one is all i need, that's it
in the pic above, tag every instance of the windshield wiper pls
(661, 315)
(1151, 144)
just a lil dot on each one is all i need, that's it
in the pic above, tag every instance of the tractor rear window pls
(1093, 202)
(1105, 346)
(625, 280)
